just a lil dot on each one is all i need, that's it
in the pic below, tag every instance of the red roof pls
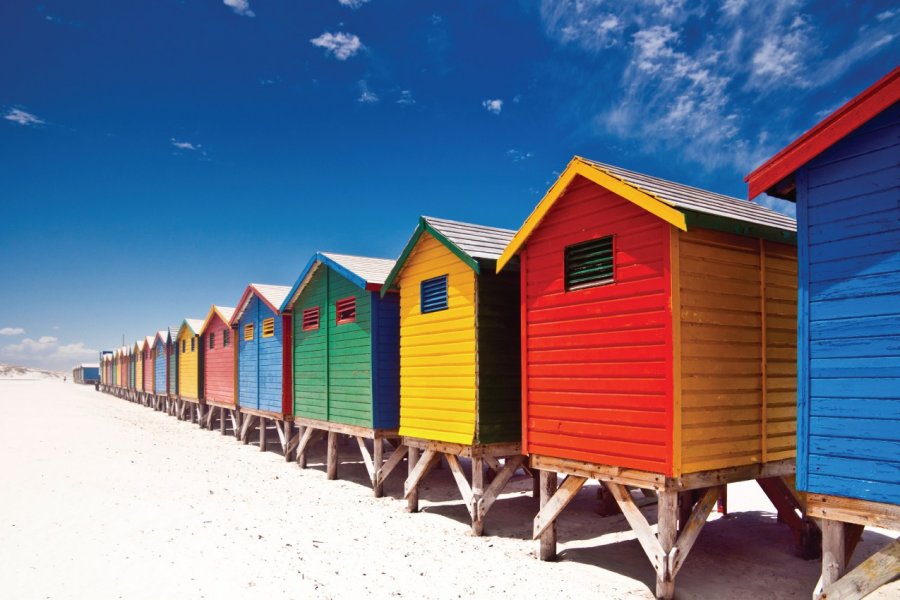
(826, 133)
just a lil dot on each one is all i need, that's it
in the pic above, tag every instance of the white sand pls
(102, 499)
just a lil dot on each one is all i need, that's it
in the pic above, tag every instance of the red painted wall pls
(148, 369)
(218, 363)
(597, 362)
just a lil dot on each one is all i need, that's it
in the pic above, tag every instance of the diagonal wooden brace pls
(564, 494)
(396, 457)
(428, 460)
(493, 490)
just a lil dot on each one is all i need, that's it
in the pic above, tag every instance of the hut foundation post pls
(412, 496)
(667, 528)
(221, 421)
(262, 434)
(377, 463)
(477, 495)
(287, 440)
(547, 545)
(331, 460)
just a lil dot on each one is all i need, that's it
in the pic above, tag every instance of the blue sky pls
(155, 157)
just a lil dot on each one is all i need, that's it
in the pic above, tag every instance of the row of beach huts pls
(636, 331)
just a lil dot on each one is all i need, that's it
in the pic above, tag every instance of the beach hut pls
(138, 352)
(459, 365)
(658, 350)
(149, 366)
(87, 373)
(844, 175)
(124, 371)
(264, 363)
(172, 370)
(346, 350)
(190, 370)
(132, 371)
(219, 355)
(159, 350)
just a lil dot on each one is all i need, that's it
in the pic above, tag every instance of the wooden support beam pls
(286, 439)
(281, 438)
(477, 494)
(561, 498)
(221, 420)
(235, 417)
(294, 441)
(367, 459)
(834, 552)
(394, 460)
(308, 437)
(462, 483)
(411, 495)
(331, 461)
(378, 460)
(690, 530)
(419, 471)
(667, 530)
(500, 480)
(877, 570)
(547, 545)
(245, 428)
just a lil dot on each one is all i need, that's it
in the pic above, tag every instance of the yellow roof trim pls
(577, 166)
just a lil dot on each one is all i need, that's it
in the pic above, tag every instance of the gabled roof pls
(367, 273)
(193, 325)
(678, 204)
(225, 313)
(272, 295)
(160, 335)
(775, 176)
(148, 342)
(173, 333)
(471, 243)
(139, 345)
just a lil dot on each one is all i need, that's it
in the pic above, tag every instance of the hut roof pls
(193, 324)
(775, 176)
(679, 204)
(272, 295)
(225, 313)
(471, 243)
(367, 273)
(161, 336)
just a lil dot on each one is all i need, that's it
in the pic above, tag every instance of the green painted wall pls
(333, 365)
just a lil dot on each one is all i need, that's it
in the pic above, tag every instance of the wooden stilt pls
(412, 496)
(221, 420)
(331, 460)
(287, 432)
(547, 545)
(834, 551)
(308, 437)
(877, 570)
(262, 434)
(378, 460)
(396, 457)
(667, 530)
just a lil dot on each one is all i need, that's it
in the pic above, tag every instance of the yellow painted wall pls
(188, 364)
(437, 350)
(138, 368)
(730, 413)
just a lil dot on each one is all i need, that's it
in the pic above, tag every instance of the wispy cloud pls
(518, 155)
(354, 4)
(186, 145)
(493, 106)
(46, 352)
(17, 115)
(366, 96)
(241, 7)
(406, 98)
(12, 331)
(341, 45)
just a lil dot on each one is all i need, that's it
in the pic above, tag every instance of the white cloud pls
(17, 115)
(354, 4)
(783, 57)
(46, 352)
(518, 155)
(493, 106)
(406, 98)
(888, 14)
(366, 96)
(12, 331)
(186, 145)
(241, 7)
(341, 45)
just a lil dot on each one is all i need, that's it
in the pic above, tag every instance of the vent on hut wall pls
(434, 294)
(590, 263)
(268, 329)
(346, 310)
(311, 319)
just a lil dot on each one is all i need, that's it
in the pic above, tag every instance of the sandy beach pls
(106, 499)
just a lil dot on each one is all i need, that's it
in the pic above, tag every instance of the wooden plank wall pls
(188, 365)
(598, 360)
(437, 350)
(270, 361)
(248, 357)
(849, 215)
(159, 368)
(149, 369)
(218, 363)
(386, 361)
(736, 358)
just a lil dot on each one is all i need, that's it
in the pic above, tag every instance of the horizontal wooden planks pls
(598, 359)
(188, 364)
(440, 405)
(218, 363)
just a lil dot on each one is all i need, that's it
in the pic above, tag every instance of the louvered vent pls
(346, 310)
(434, 294)
(268, 327)
(311, 319)
(590, 263)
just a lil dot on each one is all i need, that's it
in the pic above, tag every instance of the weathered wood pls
(561, 498)
(462, 484)
(367, 459)
(294, 441)
(547, 545)
(263, 431)
(850, 510)
(690, 530)
(477, 494)
(281, 438)
(351, 430)
(235, 423)
(286, 437)
(378, 459)
(877, 570)
(834, 552)
(331, 461)
(245, 428)
(309, 436)
(492, 492)
(420, 470)
(667, 530)
(651, 545)
(466, 450)
(221, 420)
(391, 463)
(412, 494)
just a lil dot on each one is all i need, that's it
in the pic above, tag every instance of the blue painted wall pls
(159, 369)
(386, 361)
(259, 360)
(848, 209)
